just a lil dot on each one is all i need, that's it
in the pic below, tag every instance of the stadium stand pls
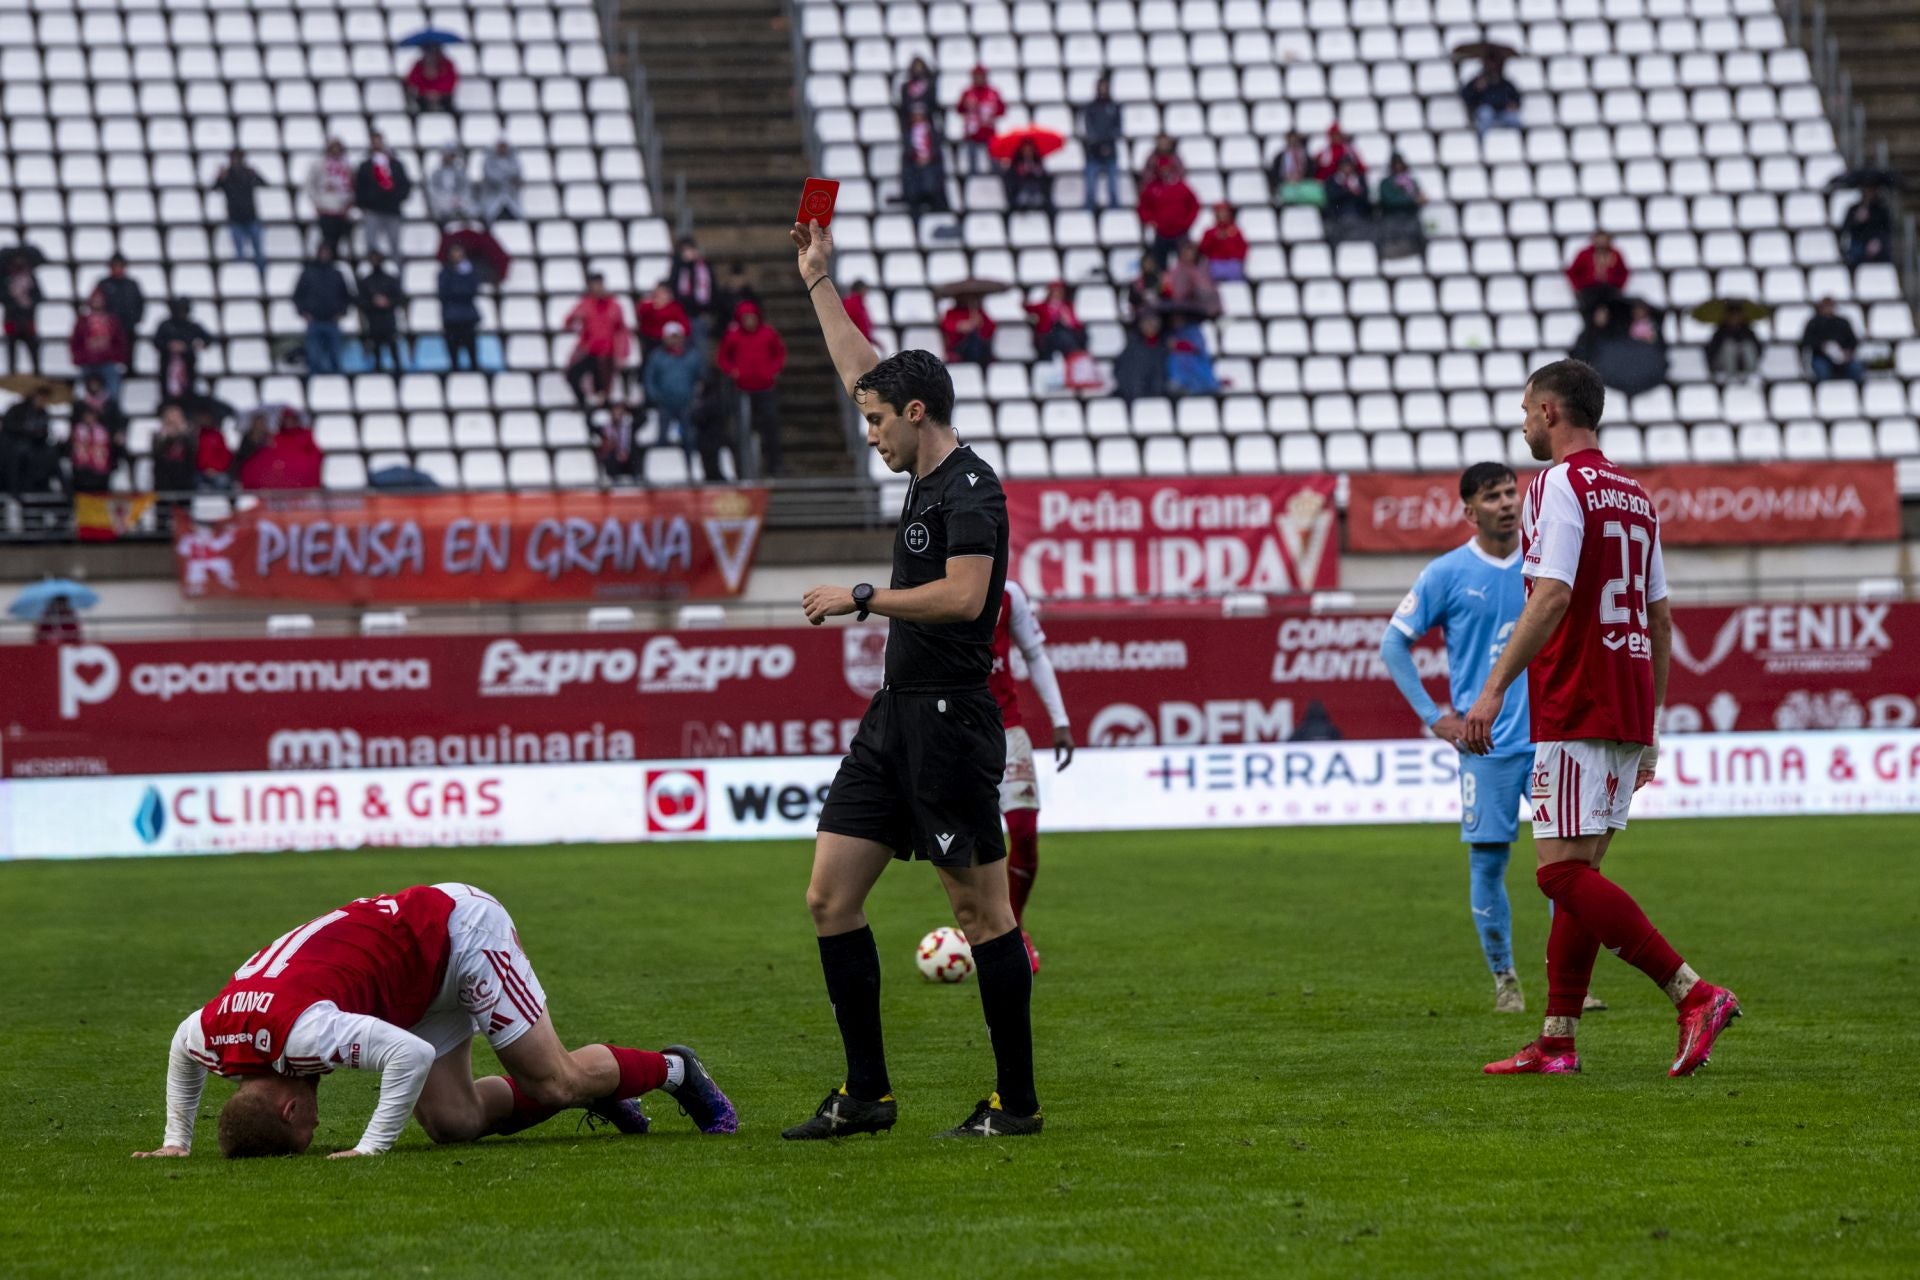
(1690, 129)
(118, 117)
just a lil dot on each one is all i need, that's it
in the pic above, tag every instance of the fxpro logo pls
(663, 665)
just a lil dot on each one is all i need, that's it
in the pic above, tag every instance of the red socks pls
(1607, 912)
(526, 1112)
(641, 1071)
(1023, 856)
(1570, 953)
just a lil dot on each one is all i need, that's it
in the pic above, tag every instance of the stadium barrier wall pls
(1135, 788)
(1131, 677)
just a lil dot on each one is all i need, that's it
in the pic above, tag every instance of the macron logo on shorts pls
(946, 842)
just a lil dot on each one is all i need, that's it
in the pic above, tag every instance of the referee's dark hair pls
(1576, 386)
(912, 375)
(1482, 474)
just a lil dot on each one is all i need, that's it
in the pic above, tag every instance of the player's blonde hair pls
(251, 1125)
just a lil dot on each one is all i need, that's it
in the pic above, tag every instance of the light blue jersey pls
(1474, 600)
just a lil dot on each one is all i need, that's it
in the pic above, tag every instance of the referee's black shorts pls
(923, 778)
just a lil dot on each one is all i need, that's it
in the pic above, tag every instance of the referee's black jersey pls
(958, 509)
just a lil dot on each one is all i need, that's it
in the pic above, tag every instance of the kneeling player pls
(400, 984)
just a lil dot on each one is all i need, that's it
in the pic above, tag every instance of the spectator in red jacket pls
(856, 304)
(1163, 164)
(1225, 246)
(99, 345)
(1168, 208)
(969, 333)
(1339, 148)
(278, 451)
(602, 349)
(981, 107)
(1057, 330)
(1598, 274)
(654, 313)
(752, 355)
(91, 452)
(432, 80)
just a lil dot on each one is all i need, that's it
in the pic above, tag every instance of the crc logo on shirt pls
(917, 538)
(676, 801)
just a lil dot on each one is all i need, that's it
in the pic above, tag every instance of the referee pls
(923, 775)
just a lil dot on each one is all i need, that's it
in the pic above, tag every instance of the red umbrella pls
(1046, 141)
(488, 258)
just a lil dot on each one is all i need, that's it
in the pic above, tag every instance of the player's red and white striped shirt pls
(1590, 525)
(385, 957)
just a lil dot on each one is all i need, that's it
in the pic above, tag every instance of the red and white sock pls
(1610, 914)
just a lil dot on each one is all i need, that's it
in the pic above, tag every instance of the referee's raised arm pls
(852, 354)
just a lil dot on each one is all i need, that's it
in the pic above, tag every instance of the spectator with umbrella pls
(330, 189)
(238, 182)
(501, 179)
(981, 107)
(459, 290)
(1100, 134)
(20, 307)
(321, 297)
(1224, 246)
(968, 331)
(1492, 100)
(1830, 345)
(381, 298)
(53, 606)
(123, 298)
(1027, 185)
(179, 340)
(381, 186)
(431, 81)
(1733, 352)
(752, 355)
(98, 345)
(489, 259)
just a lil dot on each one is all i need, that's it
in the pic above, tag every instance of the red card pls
(816, 201)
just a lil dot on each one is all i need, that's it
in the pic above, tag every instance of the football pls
(944, 956)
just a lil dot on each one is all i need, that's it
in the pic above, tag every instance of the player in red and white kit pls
(1594, 640)
(400, 984)
(1019, 787)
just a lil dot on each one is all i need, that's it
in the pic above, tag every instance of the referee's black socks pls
(851, 962)
(1006, 997)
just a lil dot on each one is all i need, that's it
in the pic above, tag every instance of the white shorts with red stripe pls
(490, 989)
(1582, 788)
(1019, 786)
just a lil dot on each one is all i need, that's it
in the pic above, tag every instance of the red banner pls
(581, 545)
(1127, 539)
(1133, 678)
(1698, 506)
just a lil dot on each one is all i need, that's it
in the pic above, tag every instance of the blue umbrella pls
(431, 36)
(33, 601)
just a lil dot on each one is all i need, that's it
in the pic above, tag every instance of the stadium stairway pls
(1879, 45)
(722, 79)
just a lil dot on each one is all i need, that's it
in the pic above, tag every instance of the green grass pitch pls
(1259, 1055)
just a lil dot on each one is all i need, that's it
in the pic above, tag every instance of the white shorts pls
(1019, 787)
(1582, 788)
(490, 989)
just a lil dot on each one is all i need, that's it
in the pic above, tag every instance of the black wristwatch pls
(862, 600)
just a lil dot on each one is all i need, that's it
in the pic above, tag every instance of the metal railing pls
(627, 52)
(1807, 25)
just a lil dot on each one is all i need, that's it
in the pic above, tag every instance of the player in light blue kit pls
(1474, 594)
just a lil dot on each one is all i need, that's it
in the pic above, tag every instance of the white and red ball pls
(944, 956)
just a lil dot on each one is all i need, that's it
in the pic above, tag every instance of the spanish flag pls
(108, 517)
